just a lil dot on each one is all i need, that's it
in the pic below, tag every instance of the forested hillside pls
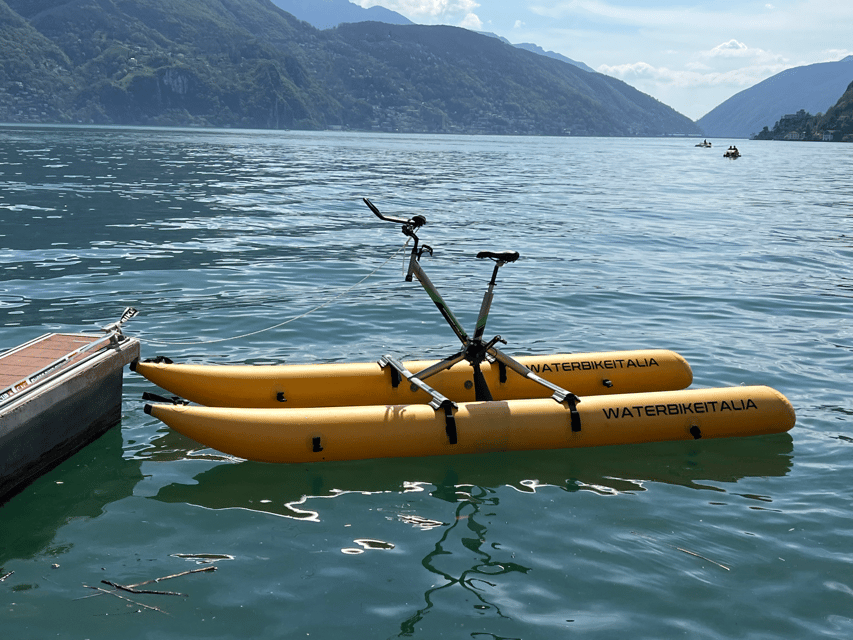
(836, 125)
(247, 63)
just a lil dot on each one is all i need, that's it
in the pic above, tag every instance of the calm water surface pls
(741, 266)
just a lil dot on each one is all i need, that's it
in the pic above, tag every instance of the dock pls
(58, 393)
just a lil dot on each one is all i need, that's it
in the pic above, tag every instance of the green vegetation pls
(246, 63)
(836, 125)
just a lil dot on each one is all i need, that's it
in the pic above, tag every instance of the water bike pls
(479, 399)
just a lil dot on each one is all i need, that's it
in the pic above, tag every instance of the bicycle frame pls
(474, 349)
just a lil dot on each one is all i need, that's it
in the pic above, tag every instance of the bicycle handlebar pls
(415, 221)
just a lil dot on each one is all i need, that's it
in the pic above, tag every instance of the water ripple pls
(741, 267)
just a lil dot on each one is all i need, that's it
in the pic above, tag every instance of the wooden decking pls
(21, 366)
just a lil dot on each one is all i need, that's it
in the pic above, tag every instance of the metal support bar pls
(440, 366)
(560, 394)
(438, 400)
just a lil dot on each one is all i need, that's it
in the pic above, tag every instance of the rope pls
(281, 324)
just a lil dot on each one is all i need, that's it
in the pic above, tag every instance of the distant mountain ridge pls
(535, 48)
(813, 88)
(325, 14)
(247, 63)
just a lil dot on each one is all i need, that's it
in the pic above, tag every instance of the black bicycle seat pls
(503, 256)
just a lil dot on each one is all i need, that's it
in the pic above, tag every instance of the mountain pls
(836, 125)
(325, 14)
(247, 63)
(838, 119)
(457, 80)
(535, 48)
(33, 71)
(813, 88)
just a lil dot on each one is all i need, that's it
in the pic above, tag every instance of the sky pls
(690, 55)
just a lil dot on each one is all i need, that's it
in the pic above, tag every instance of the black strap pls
(157, 360)
(155, 398)
(450, 423)
(396, 378)
(572, 400)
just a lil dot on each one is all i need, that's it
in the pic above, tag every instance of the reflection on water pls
(288, 490)
(80, 487)
(468, 532)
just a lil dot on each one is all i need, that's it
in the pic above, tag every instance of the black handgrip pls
(416, 221)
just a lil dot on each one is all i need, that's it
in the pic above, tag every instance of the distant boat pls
(705, 144)
(732, 152)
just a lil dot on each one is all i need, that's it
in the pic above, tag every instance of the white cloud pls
(730, 49)
(696, 76)
(733, 54)
(836, 54)
(697, 66)
(471, 21)
(518, 24)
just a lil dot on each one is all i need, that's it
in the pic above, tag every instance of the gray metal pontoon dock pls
(58, 393)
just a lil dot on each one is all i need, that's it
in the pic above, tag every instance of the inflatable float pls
(352, 433)
(474, 401)
(358, 384)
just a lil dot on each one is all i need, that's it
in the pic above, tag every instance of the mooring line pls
(280, 324)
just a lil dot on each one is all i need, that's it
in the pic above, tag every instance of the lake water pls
(741, 266)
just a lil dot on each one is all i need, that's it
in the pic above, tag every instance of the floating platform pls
(58, 393)
(355, 433)
(369, 383)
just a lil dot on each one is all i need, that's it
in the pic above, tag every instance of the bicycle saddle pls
(503, 256)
